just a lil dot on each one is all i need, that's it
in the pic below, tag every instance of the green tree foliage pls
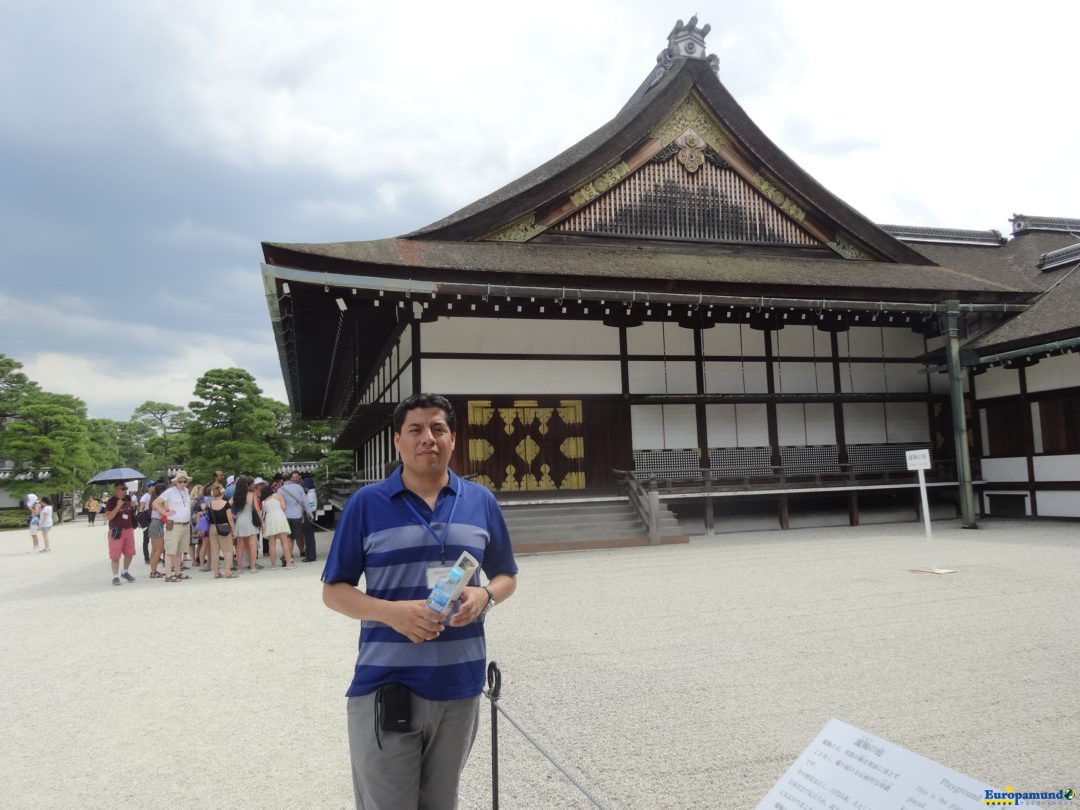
(161, 427)
(104, 445)
(15, 389)
(337, 464)
(50, 431)
(131, 440)
(233, 426)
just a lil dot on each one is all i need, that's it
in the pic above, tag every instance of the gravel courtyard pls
(672, 677)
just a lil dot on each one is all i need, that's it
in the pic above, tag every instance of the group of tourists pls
(220, 527)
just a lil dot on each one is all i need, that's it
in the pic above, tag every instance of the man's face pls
(182, 483)
(219, 476)
(295, 478)
(121, 491)
(425, 442)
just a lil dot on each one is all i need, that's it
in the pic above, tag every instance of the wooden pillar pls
(853, 508)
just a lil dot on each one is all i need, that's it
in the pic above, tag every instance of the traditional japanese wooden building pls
(673, 293)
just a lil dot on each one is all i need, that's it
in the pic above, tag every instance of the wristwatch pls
(491, 599)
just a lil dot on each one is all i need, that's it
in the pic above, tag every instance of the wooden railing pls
(646, 502)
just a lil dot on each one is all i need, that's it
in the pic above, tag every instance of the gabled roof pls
(682, 112)
(1053, 316)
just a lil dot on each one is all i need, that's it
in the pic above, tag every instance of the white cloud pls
(114, 367)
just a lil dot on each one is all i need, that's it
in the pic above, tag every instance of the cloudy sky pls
(147, 148)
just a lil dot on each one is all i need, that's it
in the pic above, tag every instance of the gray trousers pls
(419, 768)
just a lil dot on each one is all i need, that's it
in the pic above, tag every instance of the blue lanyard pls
(423, 521)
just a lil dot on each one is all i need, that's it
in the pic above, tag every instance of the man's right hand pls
(415, 621)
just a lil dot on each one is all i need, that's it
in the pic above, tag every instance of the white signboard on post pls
(918, 459)
(847, 768)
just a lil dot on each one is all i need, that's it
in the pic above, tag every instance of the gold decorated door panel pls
(527, 446)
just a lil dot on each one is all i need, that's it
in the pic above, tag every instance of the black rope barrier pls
(494, 679)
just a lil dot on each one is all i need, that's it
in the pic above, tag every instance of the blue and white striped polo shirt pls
(378, 536)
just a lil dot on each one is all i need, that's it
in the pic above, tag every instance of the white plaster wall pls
(862, 378)
(1059, 504)
(753, 341)
(1004, 469)
(902, 343)
(659, 338)
(861, 341)
(724, 378)
(722, 339)
(1050, 373)
(939, 383)
(907, 422)
(756, 378)
(1057, 468)
(481, 335)
(680, 427)
(521, 377)
(645, 339)
(790, 424)
(649, 377)
(736, 378)
(820, 424)
(905, 378)
(797, 340)
(678, 340)
(797, 378)
(752, 423)
(720, 426)
(996, 382)
(663, 427)
(864, 422)
(647, 426)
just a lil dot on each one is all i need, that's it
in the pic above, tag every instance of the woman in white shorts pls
(46, 521)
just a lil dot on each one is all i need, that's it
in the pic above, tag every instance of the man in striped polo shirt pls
(402, 534)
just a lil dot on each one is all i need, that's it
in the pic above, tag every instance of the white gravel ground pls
(672, 677)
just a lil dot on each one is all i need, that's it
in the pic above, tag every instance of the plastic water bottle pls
(449, 587)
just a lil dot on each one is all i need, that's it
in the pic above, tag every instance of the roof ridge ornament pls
(686, 41)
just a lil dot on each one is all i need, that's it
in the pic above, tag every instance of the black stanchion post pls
(494, 679)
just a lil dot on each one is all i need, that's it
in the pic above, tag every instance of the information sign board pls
(918, 459)
(847, 768)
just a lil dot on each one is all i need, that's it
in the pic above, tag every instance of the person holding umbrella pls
(120, 515)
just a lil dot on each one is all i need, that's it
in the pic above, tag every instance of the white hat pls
(179, 475)
(229, 480)
(259, 481)
(31, 499)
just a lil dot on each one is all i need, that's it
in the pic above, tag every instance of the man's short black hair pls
(411, 403)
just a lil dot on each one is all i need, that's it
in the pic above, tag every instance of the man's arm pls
(411, 618)
(112, 514)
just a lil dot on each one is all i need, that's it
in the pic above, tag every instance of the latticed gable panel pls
(709, 202)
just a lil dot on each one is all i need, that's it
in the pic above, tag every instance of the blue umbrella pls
(116, 474)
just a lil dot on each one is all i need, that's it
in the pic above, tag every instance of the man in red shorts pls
(120, 515)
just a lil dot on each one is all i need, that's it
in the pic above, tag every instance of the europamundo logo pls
(1012, 797)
